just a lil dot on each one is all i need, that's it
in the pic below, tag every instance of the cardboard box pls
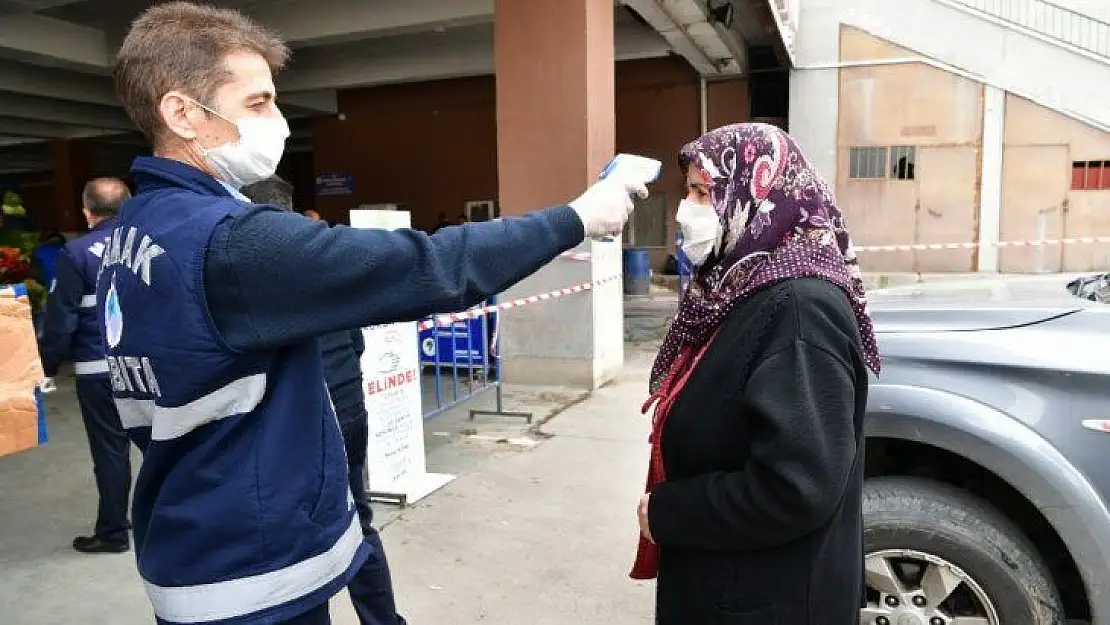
(22, 418)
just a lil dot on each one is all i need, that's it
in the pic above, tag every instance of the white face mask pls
(701, 230)
(255, 156)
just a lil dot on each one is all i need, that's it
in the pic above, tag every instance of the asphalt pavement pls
(539, 527)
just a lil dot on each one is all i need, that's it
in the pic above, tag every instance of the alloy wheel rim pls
(908, 587)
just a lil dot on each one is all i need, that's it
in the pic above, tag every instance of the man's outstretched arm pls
(275, 278)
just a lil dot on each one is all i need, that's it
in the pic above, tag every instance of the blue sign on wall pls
(335, 184)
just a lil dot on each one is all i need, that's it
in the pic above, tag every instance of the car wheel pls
(936, 555)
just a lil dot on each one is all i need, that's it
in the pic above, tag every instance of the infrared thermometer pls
(633, 168)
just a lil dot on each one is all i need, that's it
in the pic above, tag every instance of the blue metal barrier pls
(464, 363)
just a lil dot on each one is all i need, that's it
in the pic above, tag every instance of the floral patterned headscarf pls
(779, 221)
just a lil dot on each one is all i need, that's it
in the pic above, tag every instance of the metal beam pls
(51, 83)
(61, 112)
(659, 17)
(47, 41)
(9, 140)
(333, 21)
(685, 25)
(323, 101)
(17, 127)
(729, 35)
(469, 54)
(428, 64)
(33, 5)
(20, 127)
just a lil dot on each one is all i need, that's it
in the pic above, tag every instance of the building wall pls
(433, 145)
(429, 145)
(657, 112)
(53, 198)
(939, 117)
(1026, 64)
(1040, 148)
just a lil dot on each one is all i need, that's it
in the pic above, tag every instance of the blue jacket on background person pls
(70, 330)
(45, 255)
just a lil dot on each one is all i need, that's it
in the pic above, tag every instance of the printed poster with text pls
(391, 375)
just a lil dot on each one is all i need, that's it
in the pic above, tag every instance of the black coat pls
(760, 519)
(341, 352)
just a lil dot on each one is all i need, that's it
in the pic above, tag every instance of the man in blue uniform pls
(211, 307)
(70, 331)
(372, 587)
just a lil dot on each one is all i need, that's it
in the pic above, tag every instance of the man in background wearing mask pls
(372, 587)
(71, 331)
(210, 309)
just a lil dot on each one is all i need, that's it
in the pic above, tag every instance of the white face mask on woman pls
(701, 230)
(255, 156)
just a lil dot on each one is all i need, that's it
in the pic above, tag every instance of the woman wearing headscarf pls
(753, 510)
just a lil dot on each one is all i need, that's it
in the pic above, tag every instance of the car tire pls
(905, 513)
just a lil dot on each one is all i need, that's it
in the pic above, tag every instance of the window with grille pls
(903, 162)
(867, 163)
(1090, 175)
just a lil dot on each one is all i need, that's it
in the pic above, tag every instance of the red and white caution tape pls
(480, 311)
(973, 245)
(576, 255)
(910, 247)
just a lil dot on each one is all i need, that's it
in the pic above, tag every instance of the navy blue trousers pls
(371, 589)
(111, 456)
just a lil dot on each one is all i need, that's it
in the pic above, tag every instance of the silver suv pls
(988, 458)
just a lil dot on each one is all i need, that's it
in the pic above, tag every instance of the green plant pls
(37, 294)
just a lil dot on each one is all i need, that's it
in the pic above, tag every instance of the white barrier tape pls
(576, 255)
(972, 245)
(480, 311)
(910, 247)
(493, 341)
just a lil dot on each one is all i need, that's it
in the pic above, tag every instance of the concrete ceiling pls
(55, 54)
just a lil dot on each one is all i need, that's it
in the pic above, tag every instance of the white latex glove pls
(606, 205)
(47, 385)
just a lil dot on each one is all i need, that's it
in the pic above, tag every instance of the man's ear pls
(176, 110)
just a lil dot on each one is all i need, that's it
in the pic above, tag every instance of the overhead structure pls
(55, 55)
(704, 32)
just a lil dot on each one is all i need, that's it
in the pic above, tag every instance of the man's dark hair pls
(103, 196)
(273, 191)
(183, 46)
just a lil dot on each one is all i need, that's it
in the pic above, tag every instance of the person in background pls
(45, 256)
(70, 331)
(342, 350)
(44, 262)
(311, 213)
(754, 510)
(461, 219)
(441, 222)
(212, 315)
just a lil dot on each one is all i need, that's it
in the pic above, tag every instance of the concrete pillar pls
(815, 93)
(555, 131)
(990, 193)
